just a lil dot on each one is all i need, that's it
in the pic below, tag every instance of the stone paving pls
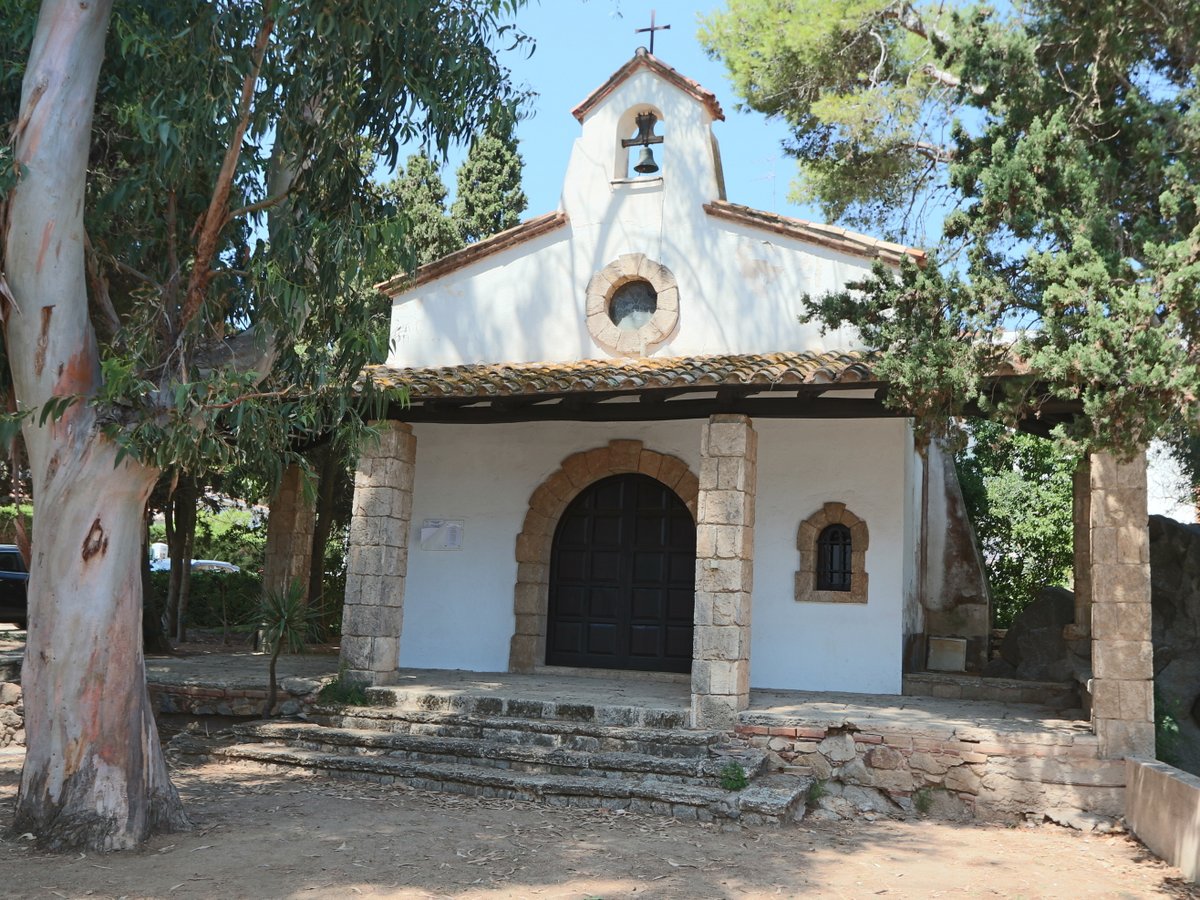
(236, 671)
(932, 716)
(871, 712)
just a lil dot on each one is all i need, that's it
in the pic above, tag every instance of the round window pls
(633, 305)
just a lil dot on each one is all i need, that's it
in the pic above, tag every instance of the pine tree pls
(490, 198)
(420, 197)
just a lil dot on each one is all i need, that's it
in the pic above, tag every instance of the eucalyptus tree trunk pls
(94, 774)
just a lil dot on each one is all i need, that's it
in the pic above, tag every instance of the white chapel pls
(621, 452)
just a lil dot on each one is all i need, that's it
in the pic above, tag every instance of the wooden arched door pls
(622, 579)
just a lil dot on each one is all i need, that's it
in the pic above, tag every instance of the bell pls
(646, 164)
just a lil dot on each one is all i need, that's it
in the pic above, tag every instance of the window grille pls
(833, 559)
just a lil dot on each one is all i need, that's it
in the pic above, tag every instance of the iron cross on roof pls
(653, 28)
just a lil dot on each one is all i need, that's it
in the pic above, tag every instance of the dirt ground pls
(259, 835)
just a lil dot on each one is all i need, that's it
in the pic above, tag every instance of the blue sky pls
(579, 43)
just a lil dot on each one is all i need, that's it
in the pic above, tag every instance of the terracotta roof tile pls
(484, 381)
(826, 235)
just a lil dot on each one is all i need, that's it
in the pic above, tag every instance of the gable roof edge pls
(489, 246)
(642, 59)
(830, 236)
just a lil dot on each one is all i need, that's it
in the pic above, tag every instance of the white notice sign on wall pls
(442, 534)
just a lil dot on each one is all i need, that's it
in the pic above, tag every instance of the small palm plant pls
(283, 619)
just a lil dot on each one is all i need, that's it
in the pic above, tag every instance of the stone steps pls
(514, 706)
(771, 799)
(543, 732)
(525, 757)
(1058, 695)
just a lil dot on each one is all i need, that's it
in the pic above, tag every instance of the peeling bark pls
(94, 774)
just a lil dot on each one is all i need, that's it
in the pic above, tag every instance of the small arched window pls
(833, 558)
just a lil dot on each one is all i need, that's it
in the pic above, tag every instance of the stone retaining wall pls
(12, 716)
(294, 697)
(1006, 778)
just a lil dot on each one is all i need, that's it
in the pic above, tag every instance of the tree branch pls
(265, 203)
(216, 216)
(934, 152)
(256, 395)
(911, 21)
(99, 283)
(949, 79)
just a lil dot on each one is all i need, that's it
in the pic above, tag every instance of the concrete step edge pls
(682, 736)
(753, 761)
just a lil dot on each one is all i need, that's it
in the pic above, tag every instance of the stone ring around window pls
(632, 305)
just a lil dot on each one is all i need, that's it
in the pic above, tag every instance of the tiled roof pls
(641, 60)
(484, 381)
(815, 233)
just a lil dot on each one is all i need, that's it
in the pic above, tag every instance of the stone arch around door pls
(546, 505)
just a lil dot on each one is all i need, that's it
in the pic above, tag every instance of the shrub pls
(1166, 730)
(733, 777)
(216, 599)
(344, 691)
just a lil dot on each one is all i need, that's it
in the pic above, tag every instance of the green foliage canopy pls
(420, 194)
(230, 208)
(489, 197)
(1017, 488)
(1067, 135)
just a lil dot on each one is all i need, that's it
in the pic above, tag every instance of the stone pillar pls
(1081, 515)
(1122, 652)
(378, 560)
(724, 571)
(288, 554)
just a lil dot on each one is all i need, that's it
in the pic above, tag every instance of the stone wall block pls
(393, 561)
(731, 608)
(1120, 621)
(1137, 700)
(1123, 660)
(1106, 699)
(356, 652)
(385, 653)
(528, 598)
(534, 626)
(364, 559)
(649, 463)
(624, 455)
(721, 643)
(725, 440)
(533, 573)
(732, 473)
(361, 620)
(576, 470)
(725, 575)
(1133, 545)
(522, 652)
(717, 711)
(726, 508)
(1119, 738)
(672, 471)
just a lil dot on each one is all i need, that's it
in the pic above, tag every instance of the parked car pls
(198, 565)
(14, 585)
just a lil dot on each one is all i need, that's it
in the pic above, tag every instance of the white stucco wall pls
(459, 604)
(830, 646)
(740, 288)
